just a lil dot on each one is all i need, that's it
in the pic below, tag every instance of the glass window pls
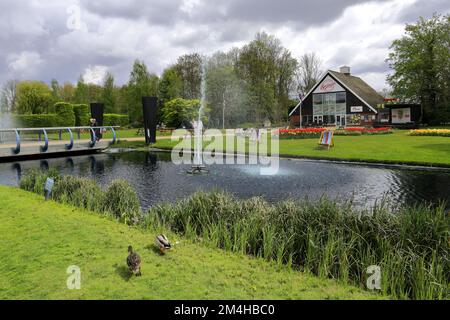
(317, 99)
(340, 97)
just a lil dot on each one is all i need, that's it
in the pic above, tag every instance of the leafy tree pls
(108, 94)
(170, 86)
(81, 94)
(421, 66)
(67, 92)
(189, 69)
(33, 97)
(141, 84)
(178, 113)
(56, 96)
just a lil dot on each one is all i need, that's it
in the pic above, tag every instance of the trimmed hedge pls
(112, 119)
(66, 116)
(82, 114)
(37, 120)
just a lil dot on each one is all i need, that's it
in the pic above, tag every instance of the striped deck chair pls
(326, 139)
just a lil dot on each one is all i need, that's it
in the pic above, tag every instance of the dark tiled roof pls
(358, 86)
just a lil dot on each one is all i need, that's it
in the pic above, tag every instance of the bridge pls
(46, 142)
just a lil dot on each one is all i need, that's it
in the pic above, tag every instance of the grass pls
(41, 239)
(398, 147)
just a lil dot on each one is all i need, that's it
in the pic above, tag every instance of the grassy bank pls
(398, 147)
(41, 239)
(325, 238)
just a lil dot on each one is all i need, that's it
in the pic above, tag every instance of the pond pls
(157, 179)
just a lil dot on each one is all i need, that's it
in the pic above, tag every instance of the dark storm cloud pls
(424, 9)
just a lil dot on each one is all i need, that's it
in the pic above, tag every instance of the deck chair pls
(326, 139)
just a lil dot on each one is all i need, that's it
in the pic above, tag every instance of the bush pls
(82, 114)
(34, 180)
(80, 192)
(112, 119)
(65, 113)
(37, 120)
(122, 202)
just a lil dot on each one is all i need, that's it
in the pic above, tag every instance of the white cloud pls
(95, 74)
(24, 64)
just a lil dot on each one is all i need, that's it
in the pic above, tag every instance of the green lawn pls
(39, 240)
(398, 147)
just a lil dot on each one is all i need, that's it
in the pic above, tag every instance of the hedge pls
(112, 119)
(37, 120)
(82, 114)
(66, 116)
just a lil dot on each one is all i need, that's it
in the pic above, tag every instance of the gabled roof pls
(355, 85)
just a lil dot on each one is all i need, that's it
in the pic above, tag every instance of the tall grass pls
(119, 200)
(325, 238)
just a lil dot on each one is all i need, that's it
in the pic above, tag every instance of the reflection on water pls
(156, 179)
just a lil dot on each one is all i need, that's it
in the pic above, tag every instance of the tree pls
(141, 84)
(421, 66)
(308, 72)
(81, 94)
(189, 69)
(170, 86)
(108, 94)
(8, 96)
(67, 92)
(178, 113)
(33, 97)
(56, 96)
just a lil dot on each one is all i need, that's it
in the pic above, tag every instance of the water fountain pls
(198, 166)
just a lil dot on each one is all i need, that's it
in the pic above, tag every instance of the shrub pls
(34, 180)
(65, 113)
(37, 120)
(112, 119)
(80, 192)
(122, 202)
(82, 114)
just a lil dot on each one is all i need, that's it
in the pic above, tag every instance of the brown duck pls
(134, 262)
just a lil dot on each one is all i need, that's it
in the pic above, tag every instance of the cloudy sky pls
(45, 39)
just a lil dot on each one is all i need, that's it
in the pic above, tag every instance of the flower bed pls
(430, 132)
(310, 133)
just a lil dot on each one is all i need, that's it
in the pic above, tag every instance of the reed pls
(324, 237)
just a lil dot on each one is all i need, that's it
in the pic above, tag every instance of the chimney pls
(345, 70)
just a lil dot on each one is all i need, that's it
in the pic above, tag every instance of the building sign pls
(328, 85)
(356, 109)
(402, 115)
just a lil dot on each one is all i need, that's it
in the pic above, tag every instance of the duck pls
(134, 262)
(163, 243)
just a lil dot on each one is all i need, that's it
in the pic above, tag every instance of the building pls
(338, 99)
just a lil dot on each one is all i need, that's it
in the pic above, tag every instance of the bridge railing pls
(44, 131)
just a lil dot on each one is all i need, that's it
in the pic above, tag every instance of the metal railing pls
(69, 146)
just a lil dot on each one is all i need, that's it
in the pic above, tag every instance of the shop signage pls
(356, 109)
(328, 85)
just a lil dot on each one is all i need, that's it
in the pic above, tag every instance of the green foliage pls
(65, 113)
(82, 114)
(122, 202)
(37, 120)
(34, 180)
(111, 119)
(421, 64)
(141, 84)
(108, 94)
(33, 97)
(170, 86)
(189, 70)
(80, 192)
(326, 238)
(180, 113)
